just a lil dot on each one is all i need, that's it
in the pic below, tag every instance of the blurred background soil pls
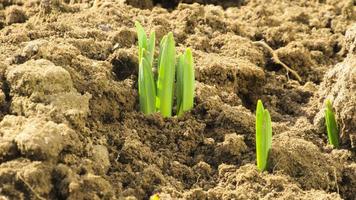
(70, 126)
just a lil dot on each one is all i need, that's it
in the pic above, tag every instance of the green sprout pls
(146, 84)
(166, 74)
(159, 96)
(331, 125)
(263, 136)
(185, 82)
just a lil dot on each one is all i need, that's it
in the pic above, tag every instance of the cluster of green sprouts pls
(173, 75)
(264, 132)
(176, 75)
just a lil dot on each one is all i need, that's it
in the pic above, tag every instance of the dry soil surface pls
(70, 126)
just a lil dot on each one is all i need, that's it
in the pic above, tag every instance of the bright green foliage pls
(146, 88)
(159, 96)
(263, 136)
(331, 125)
(185, 82)
(166, 75)
(143, 43)
(146, 84)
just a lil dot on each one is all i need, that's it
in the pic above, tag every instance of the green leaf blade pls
(141, 87)
(179, 86)
(147, 90)
(259, 133)
(166, 76)
(185, 82)
(142, 39)
(151, 48)
(267, 138)
(263, 136)
(189, 81)
(146, 83)
(331, 125)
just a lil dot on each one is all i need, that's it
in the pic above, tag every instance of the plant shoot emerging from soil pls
(166, 74)
(159, 96)
(146, 84)
(185, 82)
(331, 125)
(263, 136)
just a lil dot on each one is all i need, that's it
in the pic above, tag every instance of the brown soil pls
(70, 126)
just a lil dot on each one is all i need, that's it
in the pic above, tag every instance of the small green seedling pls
(185, 82)
(146, 84)
(331, 125)
(263, 136)
(166, 74)
(159, 96)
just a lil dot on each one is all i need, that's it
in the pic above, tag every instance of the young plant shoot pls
(166, 75)
(144, 43)
(263, 136)
(331, 125)
(146, 84)
(159, 96)
(185, 82)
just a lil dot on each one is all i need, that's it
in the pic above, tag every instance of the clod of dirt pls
(44, 140)
(237, 75)
(140, 3)
(38, 77)
(218, 114)
(203, 169)
(350, 39)
(204, 91)
(231, 148)
(304, 162)
(296, 56)
(101, 159)
(32, 176)
(349, 176)
(34, 137)
(8, 148)
(53, 6)
(134, 149)
(97, 50)
(32, 48)
(97, 186)
(57, 53)
(71, 107)
(124, 37)
(72, 186)
(125, 64)
(239, 47)
(42, 85)
(15, 14)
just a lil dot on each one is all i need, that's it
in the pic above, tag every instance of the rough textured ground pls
(70, 126)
